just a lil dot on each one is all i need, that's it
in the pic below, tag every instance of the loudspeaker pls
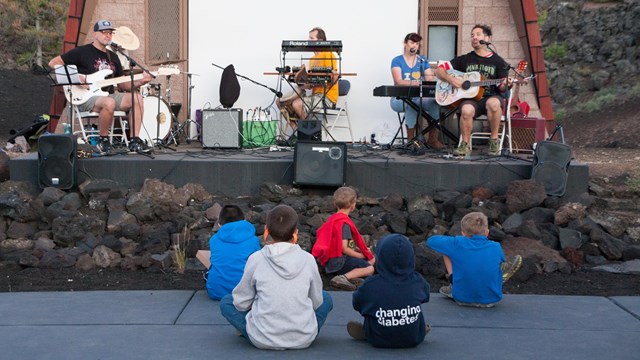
(320, 163)
(550, 166)
(222, 128)
(310, 130)
(56, 161)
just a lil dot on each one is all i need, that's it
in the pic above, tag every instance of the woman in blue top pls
(409, 69)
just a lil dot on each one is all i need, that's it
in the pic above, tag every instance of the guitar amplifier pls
(222, 128)
(527, 131)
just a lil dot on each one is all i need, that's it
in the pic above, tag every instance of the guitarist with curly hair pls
(487, 100)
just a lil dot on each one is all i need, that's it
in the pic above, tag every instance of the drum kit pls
(160, 126)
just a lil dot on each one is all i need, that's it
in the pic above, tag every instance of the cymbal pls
(128, 72)
(169, 62)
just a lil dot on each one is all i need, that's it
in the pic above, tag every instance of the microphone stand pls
(417, 143)
(132, 112)
(276, 92)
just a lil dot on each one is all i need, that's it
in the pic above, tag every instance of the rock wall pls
(107, 225)
(590, 46)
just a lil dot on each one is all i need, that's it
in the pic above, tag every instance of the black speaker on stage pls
(310, 130)
(222, 128)
(550, 166)
(320, 163)
(56, 161)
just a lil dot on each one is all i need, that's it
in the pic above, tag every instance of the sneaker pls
(446, 291)
(341, 282)
(462, 150)
(138, 145)
(356, 281)
(510, 267)
(104, 145)
(494, 147)
(356, 330)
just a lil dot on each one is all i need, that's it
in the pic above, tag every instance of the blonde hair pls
(475, 223)
(344, 197)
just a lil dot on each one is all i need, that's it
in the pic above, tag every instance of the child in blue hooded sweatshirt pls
(230, 248)
(390, 300)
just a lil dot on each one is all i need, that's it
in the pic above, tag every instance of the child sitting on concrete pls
(475, 265)
(390, 300)
(346, 265)
(230, 248)
(279, 302)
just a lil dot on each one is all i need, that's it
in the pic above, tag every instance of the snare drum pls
(152, 117)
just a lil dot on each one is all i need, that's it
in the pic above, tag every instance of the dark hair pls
(486, 29)
(230, 213)
(282, 222)
(415, 37)
(321, 34)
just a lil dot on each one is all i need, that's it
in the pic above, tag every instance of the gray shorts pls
(89, 104)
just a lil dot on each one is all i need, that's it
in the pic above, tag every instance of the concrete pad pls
(533, 312)
(201, 310)
(93, 307)
(628, 303)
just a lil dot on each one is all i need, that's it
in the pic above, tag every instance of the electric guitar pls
(473, 84)
(97, 81)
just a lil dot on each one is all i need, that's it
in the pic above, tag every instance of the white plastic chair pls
(84, 120)
(505, 127)
(338, 117)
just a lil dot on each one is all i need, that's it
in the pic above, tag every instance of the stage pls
(374, 170)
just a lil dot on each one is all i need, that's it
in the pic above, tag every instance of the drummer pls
(94, 57)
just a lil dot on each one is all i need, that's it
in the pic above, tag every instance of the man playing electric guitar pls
(94, 57)
(491, 66)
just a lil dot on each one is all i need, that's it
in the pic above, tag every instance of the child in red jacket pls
(348, 266)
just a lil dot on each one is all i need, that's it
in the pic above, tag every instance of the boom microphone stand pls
(132, 112)
(276, 92)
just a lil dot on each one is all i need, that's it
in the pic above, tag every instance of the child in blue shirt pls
(474, 263)
(230, 248)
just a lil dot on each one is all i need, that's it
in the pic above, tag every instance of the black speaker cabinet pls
(222, 128)
(56, 161)
(550, 166)
(320, 163)
(310, 130)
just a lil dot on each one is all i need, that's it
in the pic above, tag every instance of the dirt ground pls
(607, 141)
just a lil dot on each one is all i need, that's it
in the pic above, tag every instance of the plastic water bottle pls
(67, 128)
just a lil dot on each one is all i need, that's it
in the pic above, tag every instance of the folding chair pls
(340, 111)
(505, 127)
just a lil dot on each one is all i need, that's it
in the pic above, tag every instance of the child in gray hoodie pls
(279, 303)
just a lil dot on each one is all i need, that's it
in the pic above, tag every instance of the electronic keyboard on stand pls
(406, 93)
(312, 46)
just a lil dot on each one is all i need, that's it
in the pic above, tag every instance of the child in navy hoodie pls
(230, 248)
(390, 300)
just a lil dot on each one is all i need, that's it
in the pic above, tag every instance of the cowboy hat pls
(124, 37)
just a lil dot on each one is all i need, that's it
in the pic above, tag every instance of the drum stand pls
(184, 128)
(157, 142)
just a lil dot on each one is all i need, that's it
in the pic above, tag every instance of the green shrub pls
(633, 182)
(601, 99)
(542, 17)
(555, 51)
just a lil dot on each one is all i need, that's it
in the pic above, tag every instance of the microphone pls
(285, 69)
(114, 45)
(413, 50)
(482, 42)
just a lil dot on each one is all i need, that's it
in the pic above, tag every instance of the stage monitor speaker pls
(56, 161)
(310, 130)
(222, 128)
(320, 163)
(550, 166)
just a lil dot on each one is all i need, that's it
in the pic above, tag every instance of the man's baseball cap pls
(103, 25)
